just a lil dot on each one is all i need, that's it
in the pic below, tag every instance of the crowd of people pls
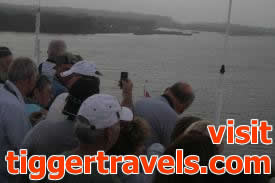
(58, 108)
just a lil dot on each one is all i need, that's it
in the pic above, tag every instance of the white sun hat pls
(85, 68)
(103, 111)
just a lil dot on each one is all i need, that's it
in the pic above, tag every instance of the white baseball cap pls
(103, 111)
(85, 68)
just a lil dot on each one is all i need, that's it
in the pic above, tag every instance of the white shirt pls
(14, 123)
(55, 113)
(48, 69)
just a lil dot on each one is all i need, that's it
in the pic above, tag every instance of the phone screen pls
(123, 77)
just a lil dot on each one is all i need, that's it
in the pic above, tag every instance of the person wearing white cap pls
(69, 70)
(77, 71)
(97, 129)
(55, 113)
(84, 68)
(55, 137)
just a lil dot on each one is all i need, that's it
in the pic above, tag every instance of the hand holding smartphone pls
(123, 77)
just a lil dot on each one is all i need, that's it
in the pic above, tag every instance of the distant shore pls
(16, 18)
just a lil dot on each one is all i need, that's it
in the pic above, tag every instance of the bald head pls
(183, 92)
(56, 48)
(182, 95)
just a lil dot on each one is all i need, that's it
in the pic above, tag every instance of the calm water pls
(249, 84)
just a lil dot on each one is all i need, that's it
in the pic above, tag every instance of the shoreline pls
(131, 33)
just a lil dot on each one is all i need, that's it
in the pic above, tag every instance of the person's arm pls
(127, 94)
(16, 125)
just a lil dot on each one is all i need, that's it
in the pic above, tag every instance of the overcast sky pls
(249, 12)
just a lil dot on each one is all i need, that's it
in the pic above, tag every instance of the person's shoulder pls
(10, 103)
(59, 101)
(62, 96)
(50, 124)
(149, 101)
(155, 103)
(35, 134)
(43, 129)
(39, 128)
(55, 111)
(5, 95)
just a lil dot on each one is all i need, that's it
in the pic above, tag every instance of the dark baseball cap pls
(4, 52)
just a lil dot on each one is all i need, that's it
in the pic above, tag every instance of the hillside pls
(76, 21)
(83, 21)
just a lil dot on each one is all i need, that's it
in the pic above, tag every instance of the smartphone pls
(123, 77)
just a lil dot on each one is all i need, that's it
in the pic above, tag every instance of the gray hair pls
(21, 69)
(54, 44)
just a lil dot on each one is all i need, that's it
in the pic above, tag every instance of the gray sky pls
(249, 12)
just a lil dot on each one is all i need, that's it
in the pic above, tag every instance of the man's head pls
(79, 70)
(64, 63)
(200, 127)
(182, 96)
(6, 59)
(132, 138)
(192, 144)
(98, 121)
(23, 73)
(42, 92)
(197, 144)
(182, 125)
(56, 48)
(78, 93)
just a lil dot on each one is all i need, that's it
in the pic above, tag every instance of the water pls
(162, 60)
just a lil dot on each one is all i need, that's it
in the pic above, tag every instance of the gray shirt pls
(14, 123)
(50, 138)
(160, 116)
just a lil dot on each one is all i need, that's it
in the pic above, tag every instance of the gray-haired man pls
(162, 112)
(14, 123)
(56, 48)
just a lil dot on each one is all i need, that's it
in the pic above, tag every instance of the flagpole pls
(228, 26)
(222, 71)
(37, 34)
